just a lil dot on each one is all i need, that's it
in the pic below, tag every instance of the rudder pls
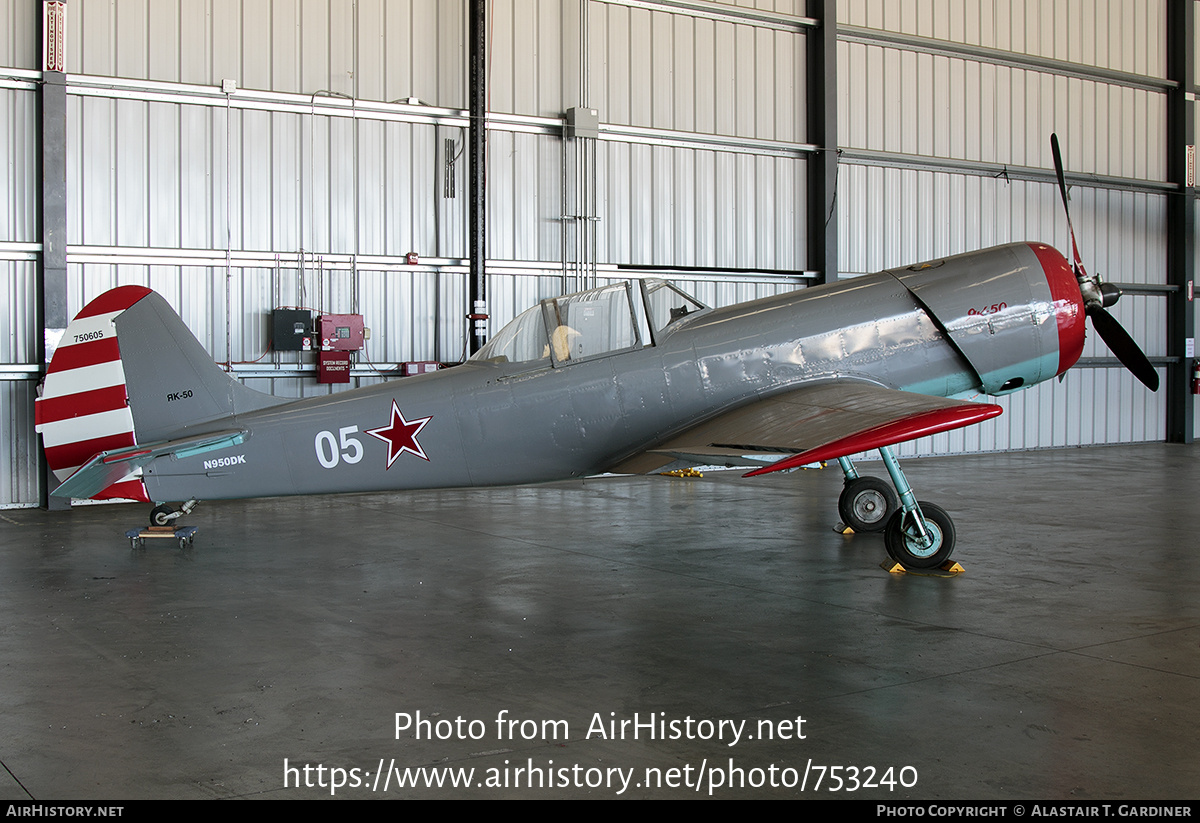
(84, 408)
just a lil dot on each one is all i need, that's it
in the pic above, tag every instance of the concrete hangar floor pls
(641, 634)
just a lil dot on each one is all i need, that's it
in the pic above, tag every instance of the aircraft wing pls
(813, 423)
(109, 467)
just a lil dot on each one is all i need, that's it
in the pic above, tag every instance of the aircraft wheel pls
(904, 543)
(867, 504)
(158, 515)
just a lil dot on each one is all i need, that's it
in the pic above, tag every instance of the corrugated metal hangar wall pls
(340, 148)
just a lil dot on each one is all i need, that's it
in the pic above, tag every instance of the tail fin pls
(128, 372)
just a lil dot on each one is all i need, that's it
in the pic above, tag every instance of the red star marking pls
(401, 435)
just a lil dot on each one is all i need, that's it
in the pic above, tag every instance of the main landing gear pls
(866, 502)
(917, 535)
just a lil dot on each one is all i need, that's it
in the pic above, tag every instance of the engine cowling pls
(988, 303)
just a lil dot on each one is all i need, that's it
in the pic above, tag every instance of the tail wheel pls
(161, 515)
(905, 545)
(867, 504)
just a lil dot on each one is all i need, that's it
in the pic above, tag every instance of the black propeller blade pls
(1098, 295)
(1122, 345)
(1062, 190)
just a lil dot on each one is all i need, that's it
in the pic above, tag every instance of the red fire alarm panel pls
(341, 332)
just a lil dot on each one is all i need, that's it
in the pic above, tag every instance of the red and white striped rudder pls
(84, 407)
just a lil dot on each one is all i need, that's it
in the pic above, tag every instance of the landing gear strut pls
(164, 515)
(917, 535)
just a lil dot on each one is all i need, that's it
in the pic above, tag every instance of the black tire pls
(158, 515)
(906, 549)
(867, 504)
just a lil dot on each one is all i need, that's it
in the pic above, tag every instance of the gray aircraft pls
(628, 377)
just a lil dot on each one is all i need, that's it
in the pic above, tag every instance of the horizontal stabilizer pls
(109, 467)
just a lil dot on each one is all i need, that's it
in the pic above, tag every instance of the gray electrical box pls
(581, 122)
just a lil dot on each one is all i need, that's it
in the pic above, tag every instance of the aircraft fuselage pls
(990, 321)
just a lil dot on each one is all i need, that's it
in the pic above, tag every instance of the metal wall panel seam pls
(202, 261)
(1145, 288)
(10, 73)
(268, 259)
(1114, 363)
(729, 14)
(983, 54)
(682, 139)
(281, 102)
(886, 159)
(242, 99)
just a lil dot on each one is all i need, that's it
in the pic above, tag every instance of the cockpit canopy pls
(589, 324)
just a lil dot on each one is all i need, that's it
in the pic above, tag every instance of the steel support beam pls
(1181, 218)
(477, 314)
(980, 168)
(51, 282)
(1001, 57)
(821, 47)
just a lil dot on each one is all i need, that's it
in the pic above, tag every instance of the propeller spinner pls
(1098, 296)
